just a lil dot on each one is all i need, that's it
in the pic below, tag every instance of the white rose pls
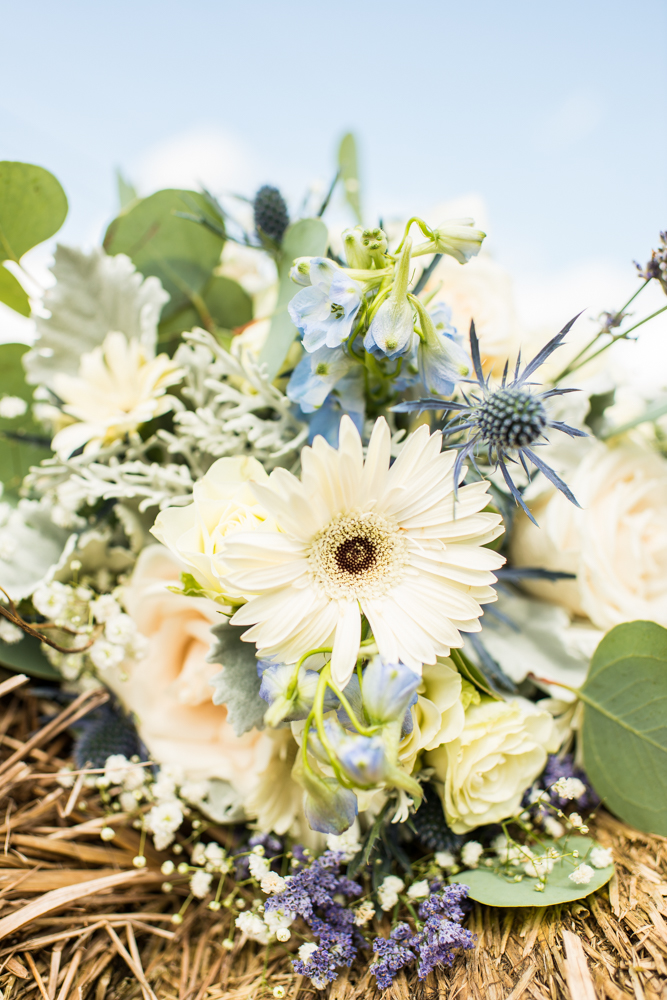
(224, 504)
(486, 770)
(616, 544)
(168, 691)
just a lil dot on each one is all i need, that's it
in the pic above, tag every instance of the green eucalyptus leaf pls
(12, 292)
(26, 657)
(624, 729)
(159, 242)
(493, 888)
(237, 684)
(306, 238)
(22, 440)
(349, 169)
(33, 207)
(597, 404)
(227, 303)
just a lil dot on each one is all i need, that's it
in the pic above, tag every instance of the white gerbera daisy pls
(119, 387)
(357, 536)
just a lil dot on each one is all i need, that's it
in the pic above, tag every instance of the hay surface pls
(77, 920)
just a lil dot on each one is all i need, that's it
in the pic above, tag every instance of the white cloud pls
(205, 155)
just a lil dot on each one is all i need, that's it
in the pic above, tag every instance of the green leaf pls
(126, 192)
(306, 238)
(180, 253)
(472, 674)
(228, 304)
(492, 888)
(26, 657)
(12, 293)
(597, 404)
(33, 207)
(624, 729)
(657, 409)
(349, 169)
(237, 685)
(20, 437)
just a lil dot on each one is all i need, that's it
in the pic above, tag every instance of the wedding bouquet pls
(365, 586)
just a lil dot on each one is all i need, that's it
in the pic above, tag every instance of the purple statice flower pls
(395, 952)
(442, 933)
(315, 887)
(310, 893)
(564, 767)
(434, 945)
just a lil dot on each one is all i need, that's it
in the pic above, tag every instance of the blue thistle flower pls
(504, 424)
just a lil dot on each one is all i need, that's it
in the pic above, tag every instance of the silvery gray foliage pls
(119, 471)
(94, 294)
(228, 394)
(32, 547)
(237, 684)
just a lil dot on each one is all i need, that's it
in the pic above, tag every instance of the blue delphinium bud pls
(363, 759)
(442, 362)
(289, 702)
(388, 690)
(325, 312)
(458, 238)
(300, 270)
(328, 807)
(315, 376)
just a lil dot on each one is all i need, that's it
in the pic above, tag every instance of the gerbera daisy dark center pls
(357, 554)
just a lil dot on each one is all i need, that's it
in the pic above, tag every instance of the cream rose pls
(616, 544)
(482, 291)
(438, 716)
(486, 770)
(224, 504)
(168, 690)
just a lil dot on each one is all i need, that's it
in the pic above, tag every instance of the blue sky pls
(552, 113)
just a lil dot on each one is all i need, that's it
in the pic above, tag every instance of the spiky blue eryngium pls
(387, 690)
(270, 211)
(324, 312)
(503, 424)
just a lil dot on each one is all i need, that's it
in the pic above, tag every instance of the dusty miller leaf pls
(93, 294)
(237, 684)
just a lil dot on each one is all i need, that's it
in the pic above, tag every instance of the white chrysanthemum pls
(119, 387)
(357, 536)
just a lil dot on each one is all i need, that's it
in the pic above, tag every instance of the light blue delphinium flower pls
(325, 311)
(441, 360)
(315, 376)
(387, 690)
(347, 398)
(391, 332)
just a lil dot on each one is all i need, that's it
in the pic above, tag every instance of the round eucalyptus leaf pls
(26, 657)
(33, 207)
(624, 730)
(160, 242)
(23, 442)
(12, 293)
(496, 889)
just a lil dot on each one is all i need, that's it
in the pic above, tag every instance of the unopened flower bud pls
(139, 861)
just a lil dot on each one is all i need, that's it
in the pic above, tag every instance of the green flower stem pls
(575, 362)
(317, 716)
(624, 335)
(377, 302)
(426, 230)
(361, 729)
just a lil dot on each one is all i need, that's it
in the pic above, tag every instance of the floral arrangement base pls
(77, 920)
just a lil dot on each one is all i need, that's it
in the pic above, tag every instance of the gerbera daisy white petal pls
(353, 536)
